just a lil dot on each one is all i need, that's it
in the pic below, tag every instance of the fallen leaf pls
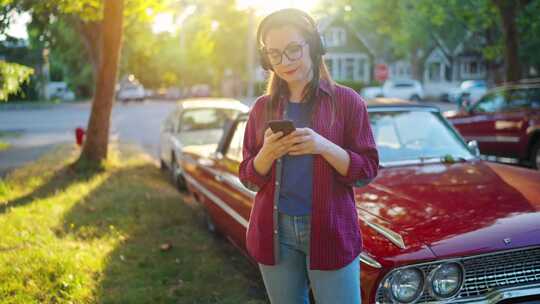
(165, 246)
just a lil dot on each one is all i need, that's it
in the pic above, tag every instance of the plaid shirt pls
(335, 235)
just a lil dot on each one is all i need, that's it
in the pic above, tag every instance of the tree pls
(95, 147)
(100, 24)
(12, 75)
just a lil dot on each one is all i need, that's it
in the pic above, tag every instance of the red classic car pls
(505, 122)
(439, 224)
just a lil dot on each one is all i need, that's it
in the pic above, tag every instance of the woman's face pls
(288, 52)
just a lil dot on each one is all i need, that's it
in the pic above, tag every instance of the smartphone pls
(285, 126)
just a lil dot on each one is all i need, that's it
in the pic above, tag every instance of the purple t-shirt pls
(297, 172)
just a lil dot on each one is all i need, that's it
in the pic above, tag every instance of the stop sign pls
(381, 72)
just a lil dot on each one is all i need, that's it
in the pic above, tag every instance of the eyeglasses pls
(293, 51)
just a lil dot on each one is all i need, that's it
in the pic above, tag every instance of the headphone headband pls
(292, 13)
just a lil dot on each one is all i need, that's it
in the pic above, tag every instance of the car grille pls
(488, 272)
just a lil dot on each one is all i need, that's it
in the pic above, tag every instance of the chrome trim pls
(394, 237)
(491, 298)
(496, 138)
(366, 259)
(400, 108)
(241, 220)
(235, 182)
(416, 162)
(498, 295)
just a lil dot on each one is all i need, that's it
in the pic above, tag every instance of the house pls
(349, 57)
(444, 67)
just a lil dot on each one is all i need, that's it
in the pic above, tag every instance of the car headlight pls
(406, 285)
(446, 280)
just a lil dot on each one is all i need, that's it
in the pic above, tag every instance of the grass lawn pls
(3, 145)
(98, 237)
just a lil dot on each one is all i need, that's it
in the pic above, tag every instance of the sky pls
(164, 22)
(18, 27)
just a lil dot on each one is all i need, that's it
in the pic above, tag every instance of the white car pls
(371, 92)
(194, 123)
(473, 89)
(403, 89)
(130, 88)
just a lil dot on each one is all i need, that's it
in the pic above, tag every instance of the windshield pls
(205, 118)
(415, 135)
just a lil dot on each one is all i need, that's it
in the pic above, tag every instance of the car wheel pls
(176, 176)
(416, 98)
(535, 155)
(162, 165)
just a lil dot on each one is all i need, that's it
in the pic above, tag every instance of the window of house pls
(361, 75)
(434, 71)
(348, 68)
(471, 68)
(335, 36)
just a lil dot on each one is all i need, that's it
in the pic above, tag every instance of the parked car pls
(371, 92)
(470, 90)
(194, 124)
(59, 90)
(403, 89)
(505, 122)
(439, 225)
(129, 88)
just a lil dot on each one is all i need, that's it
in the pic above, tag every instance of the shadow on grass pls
(161, 251)
(61, 180)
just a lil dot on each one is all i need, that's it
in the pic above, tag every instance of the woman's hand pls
(275, 145)
(307, 141)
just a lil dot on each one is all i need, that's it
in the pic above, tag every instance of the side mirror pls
(473, 147)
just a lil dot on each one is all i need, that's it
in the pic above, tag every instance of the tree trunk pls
(95, 147)
(508, 11)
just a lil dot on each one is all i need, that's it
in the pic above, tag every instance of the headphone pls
(314, 39)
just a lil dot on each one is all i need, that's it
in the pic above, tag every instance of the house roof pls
(324, 23)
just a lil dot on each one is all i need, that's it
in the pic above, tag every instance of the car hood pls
(456, 209)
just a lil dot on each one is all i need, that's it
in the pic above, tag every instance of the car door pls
(479, 123)
(167, 131)
(226, 200)
(511, 123)
(239, 199)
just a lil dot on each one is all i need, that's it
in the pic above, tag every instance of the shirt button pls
(275, 231)
(277, 183)
(275, 207)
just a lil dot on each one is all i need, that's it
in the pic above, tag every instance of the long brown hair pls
(277, 87)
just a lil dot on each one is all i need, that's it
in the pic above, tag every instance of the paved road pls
(37, 130)
(42, 128)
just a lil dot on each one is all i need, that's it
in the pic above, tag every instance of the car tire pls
(176, 176)
(162, 165)
(535, 155)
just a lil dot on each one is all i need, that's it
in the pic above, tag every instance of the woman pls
(304, 225)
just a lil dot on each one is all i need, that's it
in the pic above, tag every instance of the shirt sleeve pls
(359, 144)
(249, 177)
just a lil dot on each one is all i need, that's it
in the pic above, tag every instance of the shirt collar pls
(324, 85)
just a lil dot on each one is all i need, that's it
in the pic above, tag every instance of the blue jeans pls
(287, 282)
